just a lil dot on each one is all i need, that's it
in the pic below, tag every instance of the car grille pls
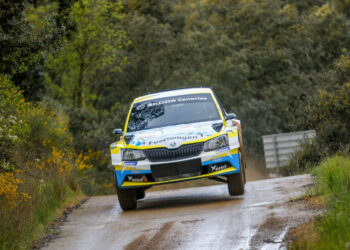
(164, 154)
(176, 170)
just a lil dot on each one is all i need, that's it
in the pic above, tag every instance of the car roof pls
(175, 92)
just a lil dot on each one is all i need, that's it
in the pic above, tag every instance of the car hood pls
(173, 136)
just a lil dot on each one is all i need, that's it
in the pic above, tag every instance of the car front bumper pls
(142, 174)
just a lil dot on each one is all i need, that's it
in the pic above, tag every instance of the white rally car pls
(175, 136)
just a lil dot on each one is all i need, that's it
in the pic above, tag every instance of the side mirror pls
(230, 116)
(118, 131)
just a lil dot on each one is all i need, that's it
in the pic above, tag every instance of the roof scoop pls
(217, 126)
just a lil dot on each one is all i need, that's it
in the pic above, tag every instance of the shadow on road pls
(187, 201)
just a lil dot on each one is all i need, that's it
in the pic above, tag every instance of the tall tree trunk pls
(79, 94)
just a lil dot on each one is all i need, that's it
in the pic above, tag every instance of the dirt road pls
(191, 218)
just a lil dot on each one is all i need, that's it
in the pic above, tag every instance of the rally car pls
(175, 136)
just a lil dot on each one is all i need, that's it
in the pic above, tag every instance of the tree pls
(25, 41)
(79, 72)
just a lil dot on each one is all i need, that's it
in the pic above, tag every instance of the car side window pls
(223, 111)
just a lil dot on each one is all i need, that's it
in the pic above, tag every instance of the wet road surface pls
(191, 218)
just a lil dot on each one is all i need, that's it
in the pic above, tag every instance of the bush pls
(329, 114)
(331, 230)
(306, 158)
(12, 126)
(333, 179)
(40, 171)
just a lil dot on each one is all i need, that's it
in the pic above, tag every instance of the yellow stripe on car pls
(134, 184)
(128, 168)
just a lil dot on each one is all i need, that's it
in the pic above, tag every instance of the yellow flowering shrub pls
(35, 139)
(9, 189)
(63, 163)
(83, 161)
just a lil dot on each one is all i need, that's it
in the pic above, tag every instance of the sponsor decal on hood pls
(173, 136)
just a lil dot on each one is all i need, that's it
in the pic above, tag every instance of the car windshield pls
(172, 111)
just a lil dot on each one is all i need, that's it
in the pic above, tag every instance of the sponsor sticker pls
(217, 167)
(180, 99)
(130, 163)
(174, 138)
(222, 149)
(136, 178)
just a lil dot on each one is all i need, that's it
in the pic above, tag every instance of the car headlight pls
(216, 143)
(133, 155)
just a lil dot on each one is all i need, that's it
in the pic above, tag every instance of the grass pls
(332, 229)
(20, 226)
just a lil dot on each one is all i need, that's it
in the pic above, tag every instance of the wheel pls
(140, 193)
(235, 182)
(127, 199)
(243, 166)
(242, 162)
(245, 180)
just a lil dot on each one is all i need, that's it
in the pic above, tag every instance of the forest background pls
(69, 70)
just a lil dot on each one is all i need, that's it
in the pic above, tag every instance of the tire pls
(140, 193)
(243, 167)
(245, 180)
(235, 182)
(242, 158)
(127, 199)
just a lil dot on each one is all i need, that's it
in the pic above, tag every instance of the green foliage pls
(332, 178)
(262, 58)
(280, 65)
(305, 159)
(78, 73)
(12, 105)
(25, 223)
(328, 112)
(12, 125)
(40, 171)
(49, 128)
(342, 6)
(331, 118)
(25, 41)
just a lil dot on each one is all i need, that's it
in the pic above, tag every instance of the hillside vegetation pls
(329, 231)
(70, 69)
